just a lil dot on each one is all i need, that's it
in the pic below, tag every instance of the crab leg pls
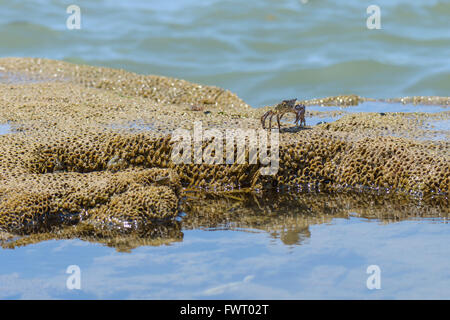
(264, 117)
(263, 120)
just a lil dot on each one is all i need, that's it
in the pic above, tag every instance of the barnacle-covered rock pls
(124, 200)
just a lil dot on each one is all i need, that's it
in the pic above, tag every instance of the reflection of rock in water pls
(288, 216)
(283, 216)
(122, 240)
(293, 236)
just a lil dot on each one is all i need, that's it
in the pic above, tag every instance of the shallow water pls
(436, 129)
(323, 261)
(381, 106)
(5, 128)
(301, 247)
(263, 52)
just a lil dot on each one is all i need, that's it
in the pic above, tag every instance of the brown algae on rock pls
(73, 161)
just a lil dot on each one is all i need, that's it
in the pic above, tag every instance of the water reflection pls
(225, 264)
(287, 217)
(121, 240)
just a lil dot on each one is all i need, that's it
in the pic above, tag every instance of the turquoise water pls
(262, 50)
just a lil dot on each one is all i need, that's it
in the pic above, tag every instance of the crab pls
(282, 108)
